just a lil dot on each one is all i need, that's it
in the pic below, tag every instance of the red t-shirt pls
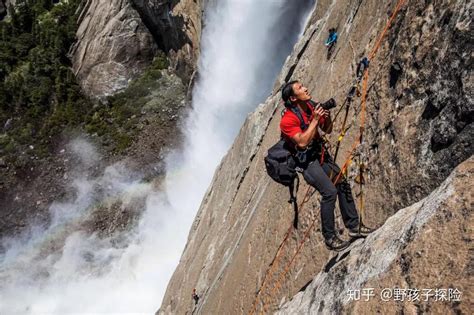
(290, 124)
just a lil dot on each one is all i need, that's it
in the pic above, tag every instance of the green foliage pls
(118, 119)
(39, 91)
(37, 87)
(133, 96)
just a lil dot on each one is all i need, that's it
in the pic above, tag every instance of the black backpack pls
(281, 166)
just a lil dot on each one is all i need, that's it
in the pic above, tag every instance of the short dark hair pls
(287, 92)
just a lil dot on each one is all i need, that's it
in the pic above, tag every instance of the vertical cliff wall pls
(408, 266)
(418, 128)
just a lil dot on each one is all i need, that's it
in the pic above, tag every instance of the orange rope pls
(343, 170)
(387, 26)
(275, 260)
(287, 268)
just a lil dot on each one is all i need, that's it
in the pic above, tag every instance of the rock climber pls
(331, 41)
(361, 67)
(316, 163)
(195, 297)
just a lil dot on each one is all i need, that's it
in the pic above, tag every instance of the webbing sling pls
(293, 200)
(295, 110)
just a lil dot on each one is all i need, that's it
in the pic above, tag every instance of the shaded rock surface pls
(113, 46)
(409, 148)
(3, 9)
(427, 245)
(4, 6)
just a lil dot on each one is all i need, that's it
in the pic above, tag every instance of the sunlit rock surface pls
(418, 129)
(113, 46)
(426, 246)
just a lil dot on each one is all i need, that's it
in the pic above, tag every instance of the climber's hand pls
(321, 112)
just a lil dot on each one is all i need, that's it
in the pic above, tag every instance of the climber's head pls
(293, 92)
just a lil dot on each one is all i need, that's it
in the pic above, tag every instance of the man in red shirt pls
(317, 165)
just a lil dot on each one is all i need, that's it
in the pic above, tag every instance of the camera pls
(331, 103)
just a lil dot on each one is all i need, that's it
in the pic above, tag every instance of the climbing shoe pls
(361, 231)
(335, 243)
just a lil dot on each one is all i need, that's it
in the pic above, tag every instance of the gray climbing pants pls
(318, 176)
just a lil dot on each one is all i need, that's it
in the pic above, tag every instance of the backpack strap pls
(297, 112)
(313, 104)
(293, 200)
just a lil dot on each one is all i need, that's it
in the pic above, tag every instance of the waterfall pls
(244, 45)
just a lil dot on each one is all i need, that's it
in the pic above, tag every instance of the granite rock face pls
(418, 128)
(426, 246)
(117, 40)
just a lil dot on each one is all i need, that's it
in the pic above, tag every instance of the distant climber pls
(313, 159)
(331, 42)
(332, 38)
(195, 297)
(361, 67)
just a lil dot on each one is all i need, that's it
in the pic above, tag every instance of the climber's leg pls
(316, 177)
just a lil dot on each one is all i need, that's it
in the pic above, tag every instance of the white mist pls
(244, 45)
